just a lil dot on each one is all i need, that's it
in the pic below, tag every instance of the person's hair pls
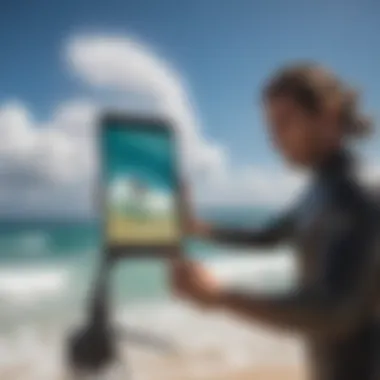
(313, 87)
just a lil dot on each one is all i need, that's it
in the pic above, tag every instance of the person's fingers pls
(180, 277)
(187, 277)
(177, 271)
(183, 265)
(178, 268)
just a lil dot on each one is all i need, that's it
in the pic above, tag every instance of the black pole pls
(93, 347)
(99, 306)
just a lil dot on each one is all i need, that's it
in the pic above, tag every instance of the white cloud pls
(50, 152)
(43, 165)
(41, 162)
(123, 64)
(50, 166)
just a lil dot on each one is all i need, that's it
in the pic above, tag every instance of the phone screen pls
(140, 183)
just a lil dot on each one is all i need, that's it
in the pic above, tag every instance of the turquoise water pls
(47, 267)
(23, 241)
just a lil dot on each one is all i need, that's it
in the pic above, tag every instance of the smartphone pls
(140, 182)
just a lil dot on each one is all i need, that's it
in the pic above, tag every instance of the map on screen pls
(140, 185)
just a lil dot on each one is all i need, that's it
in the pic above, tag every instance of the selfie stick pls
(94, 347)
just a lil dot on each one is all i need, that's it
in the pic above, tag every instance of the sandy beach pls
(212, 347)
(259, 374)
(175, 371)
(285, 373)
(222, 348)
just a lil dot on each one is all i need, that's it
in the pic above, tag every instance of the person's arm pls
(274, 233)
(341, 297)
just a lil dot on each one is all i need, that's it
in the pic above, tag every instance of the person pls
(312, 116)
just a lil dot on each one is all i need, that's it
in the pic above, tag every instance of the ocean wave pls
(33, 242)
(26, 244)
(28, 285)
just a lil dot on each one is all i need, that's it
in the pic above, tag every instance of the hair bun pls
(360, 126)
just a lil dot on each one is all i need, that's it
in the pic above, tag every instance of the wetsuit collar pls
(337, 163)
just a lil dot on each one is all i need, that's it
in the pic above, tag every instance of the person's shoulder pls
(356, 199)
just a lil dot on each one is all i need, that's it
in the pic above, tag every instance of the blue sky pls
(222, 50)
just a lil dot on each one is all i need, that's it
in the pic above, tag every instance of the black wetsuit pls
(334, 228)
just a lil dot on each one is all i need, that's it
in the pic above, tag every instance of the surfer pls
(311, 116)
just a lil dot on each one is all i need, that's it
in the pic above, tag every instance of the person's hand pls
(195, 283)
(197, 228)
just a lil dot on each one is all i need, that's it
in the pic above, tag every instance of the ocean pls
(47, 268)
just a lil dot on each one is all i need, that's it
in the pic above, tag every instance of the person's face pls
(295, 132)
